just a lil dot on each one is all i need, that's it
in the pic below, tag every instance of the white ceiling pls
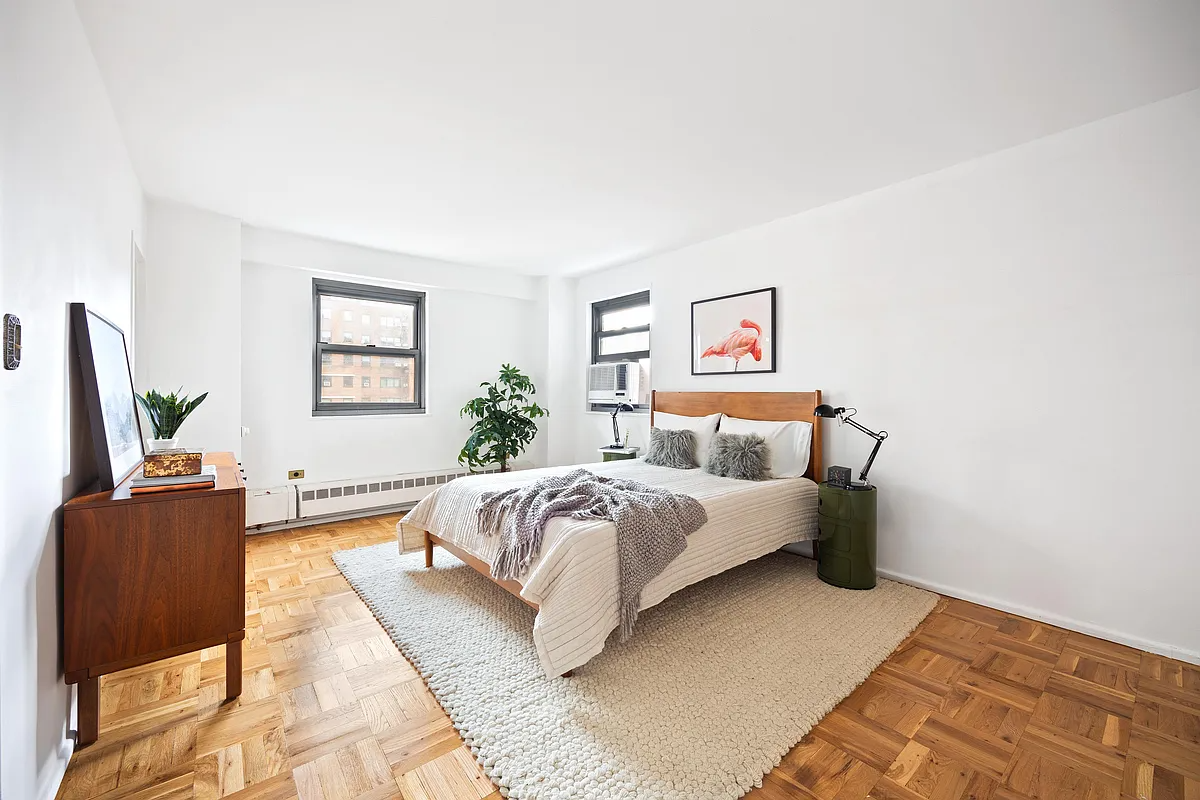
(556, 136)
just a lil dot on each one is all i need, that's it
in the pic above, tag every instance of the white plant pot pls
(162, 444)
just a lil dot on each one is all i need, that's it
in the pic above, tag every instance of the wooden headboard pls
(768, 406)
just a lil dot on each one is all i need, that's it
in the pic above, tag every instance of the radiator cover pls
(359, 494)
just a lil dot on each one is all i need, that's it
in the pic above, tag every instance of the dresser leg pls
(88, 711)
(233, 669)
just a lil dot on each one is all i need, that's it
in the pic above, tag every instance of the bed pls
(573, 582)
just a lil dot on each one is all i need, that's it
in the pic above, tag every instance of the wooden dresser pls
(151, 576)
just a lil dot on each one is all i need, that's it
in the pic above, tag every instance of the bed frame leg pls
(428, 550)
(569, 674)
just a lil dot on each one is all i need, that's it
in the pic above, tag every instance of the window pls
(358, 316)
(621, 332)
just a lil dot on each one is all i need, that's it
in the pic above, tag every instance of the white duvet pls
(574, 579)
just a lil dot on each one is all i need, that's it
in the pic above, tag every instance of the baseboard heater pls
(304, 502)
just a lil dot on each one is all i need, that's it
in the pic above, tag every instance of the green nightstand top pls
(619, 453)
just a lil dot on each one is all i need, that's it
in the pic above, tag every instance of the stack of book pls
(205, 479)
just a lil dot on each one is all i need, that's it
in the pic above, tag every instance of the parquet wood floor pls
(975, 704)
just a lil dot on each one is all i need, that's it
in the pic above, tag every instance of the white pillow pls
(703, 427)
(789, 442)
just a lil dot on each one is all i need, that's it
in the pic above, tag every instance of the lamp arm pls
(617, 409)
(862, 476)
(877, 436)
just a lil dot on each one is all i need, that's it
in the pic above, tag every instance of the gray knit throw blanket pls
(652, 526)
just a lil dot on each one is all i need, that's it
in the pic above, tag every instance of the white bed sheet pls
(574, 579)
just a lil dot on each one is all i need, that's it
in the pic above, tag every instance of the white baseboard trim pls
(50, 787)
(1160, 648)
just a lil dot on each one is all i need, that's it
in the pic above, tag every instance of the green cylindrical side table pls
(846, 519)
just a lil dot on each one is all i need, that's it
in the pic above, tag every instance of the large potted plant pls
(504, 424)
(166, 414)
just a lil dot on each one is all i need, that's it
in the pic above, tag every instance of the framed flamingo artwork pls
(734, 334)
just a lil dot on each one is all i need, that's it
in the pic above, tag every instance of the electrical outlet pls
(295, 474)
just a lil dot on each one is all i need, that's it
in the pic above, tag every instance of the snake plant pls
(167, 413)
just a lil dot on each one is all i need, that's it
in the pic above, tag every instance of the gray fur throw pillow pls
(674, 449)
(745, 456)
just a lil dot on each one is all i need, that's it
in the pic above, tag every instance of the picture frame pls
(734, 334)
(109, 395)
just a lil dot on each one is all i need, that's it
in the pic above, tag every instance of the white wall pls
(564, 380)
(1026, 326)
(189, 330)
(69, 202)
(470, 335)
(264, 246)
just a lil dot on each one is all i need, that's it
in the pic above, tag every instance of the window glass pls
(625, 318)
(393, 376)
(370, 315)
(625, 343)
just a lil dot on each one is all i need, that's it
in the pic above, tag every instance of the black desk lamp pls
(617, 443)
(844, 415)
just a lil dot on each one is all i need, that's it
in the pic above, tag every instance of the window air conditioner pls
(616, 382)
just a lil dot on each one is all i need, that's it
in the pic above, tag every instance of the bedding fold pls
(652, 526)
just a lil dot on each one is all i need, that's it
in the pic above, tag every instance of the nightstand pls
(619, 454)
(846, 519)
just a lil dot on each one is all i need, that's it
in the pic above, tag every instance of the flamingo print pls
(739, 344)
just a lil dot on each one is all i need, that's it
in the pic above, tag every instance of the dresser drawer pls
(146, 577)
(834, 534)
(836, 505)
(835, 569)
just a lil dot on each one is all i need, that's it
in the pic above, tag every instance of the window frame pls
(384, 294)
(599, 309)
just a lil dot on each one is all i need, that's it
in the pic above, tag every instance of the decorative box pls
(170, 463)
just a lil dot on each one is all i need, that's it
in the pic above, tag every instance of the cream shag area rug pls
(717, 683)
